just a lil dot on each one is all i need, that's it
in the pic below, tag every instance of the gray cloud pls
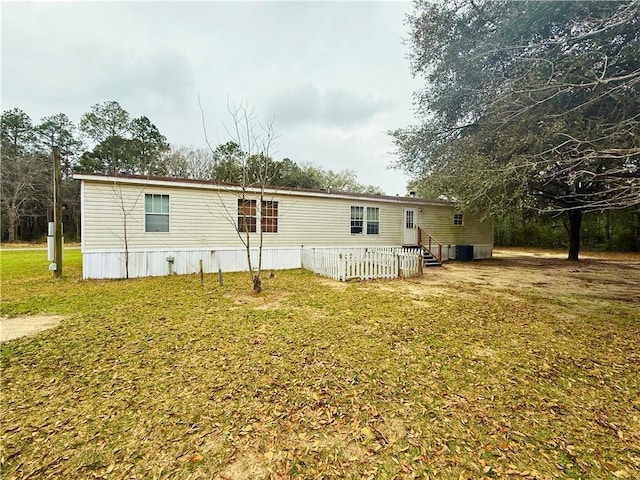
(52, 61)
(334, 74)
(305, 105)
(156, 80)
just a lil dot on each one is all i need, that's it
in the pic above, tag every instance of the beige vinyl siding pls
(205, 218)
(327, 221)
(437, 221)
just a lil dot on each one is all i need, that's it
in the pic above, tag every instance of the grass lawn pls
(524, 366)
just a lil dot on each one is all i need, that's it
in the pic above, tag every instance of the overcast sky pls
(333, 75)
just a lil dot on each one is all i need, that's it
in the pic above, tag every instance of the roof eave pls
(229, 187)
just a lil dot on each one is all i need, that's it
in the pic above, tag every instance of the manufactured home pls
(160, 225)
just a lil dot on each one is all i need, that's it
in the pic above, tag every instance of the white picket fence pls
(365, 263)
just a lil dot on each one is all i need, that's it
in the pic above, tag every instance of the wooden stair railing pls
(431, 245)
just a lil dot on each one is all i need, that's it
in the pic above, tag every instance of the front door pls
(410, 236)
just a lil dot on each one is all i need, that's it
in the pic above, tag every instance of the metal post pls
(57, 212)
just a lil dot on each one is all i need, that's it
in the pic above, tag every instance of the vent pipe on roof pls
(412, 194)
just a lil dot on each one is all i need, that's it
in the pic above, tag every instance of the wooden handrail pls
(430, 245)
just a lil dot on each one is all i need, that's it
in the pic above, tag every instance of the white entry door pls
(410, 236)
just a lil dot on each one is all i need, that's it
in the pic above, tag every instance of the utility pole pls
(57, 213)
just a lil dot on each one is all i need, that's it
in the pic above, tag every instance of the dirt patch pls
(333, 284)
(393, 430)
(484, 352)
(11, 328)
(248, 465)
(270, 301)
(547, 273)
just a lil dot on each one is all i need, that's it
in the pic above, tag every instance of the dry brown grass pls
(524, 366)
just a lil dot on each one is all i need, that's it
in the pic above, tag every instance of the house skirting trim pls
(480, 252)
(153, 263)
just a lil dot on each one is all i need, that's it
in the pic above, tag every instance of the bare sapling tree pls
(126, 208)
(249, 155)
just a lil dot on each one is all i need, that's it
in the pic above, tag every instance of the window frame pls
(458, 220)
(372, 223)
(408, 226)
(363, 223)
(153, 213)
(357, 222)
(244, 219)
(269, 216)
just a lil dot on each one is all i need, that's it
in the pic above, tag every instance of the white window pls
(373, 220)
(156, 213)
(269, 216)
(409, 222)
(247, 215)
(457, 219)
(357, 219)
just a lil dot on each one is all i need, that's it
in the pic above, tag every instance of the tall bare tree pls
(25, 171)
(249, 153)
(188, 162)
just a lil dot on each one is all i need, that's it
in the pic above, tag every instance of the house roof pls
(173, 182)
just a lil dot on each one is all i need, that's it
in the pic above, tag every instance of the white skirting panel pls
(479, 252)
(154, 263)
(448, 252)
(482, 251)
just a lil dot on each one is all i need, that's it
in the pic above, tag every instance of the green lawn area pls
(524, 366)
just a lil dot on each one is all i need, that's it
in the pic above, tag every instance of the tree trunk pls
(573, 230)
(126, 250)
(247, 245)
(12, 218)
(636, 232)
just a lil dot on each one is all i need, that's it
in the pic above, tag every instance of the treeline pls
(517, 226)
(108, 140)
(615, 230)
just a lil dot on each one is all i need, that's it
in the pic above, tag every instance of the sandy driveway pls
(16, 327)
